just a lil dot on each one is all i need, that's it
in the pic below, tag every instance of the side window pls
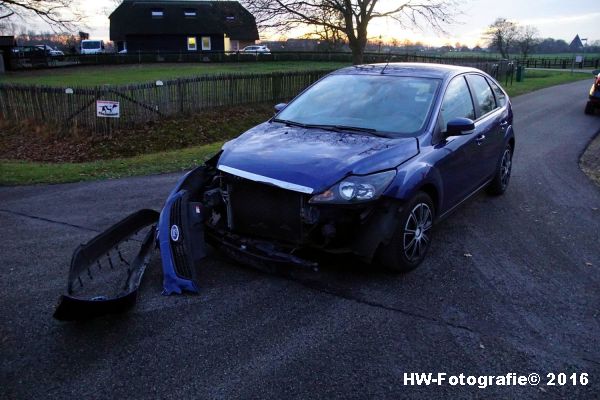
(457, 102)
(500, 96)
(482, 94)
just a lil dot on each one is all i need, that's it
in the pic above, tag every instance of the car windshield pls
(90, 45)
(392, 104)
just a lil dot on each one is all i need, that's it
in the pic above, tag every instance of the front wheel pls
(500, 182)
(412, 238)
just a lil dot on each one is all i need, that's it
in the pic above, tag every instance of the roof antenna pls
(386, 65)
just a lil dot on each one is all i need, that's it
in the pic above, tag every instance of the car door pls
(458, 164)
(504, 116)
(489, 125)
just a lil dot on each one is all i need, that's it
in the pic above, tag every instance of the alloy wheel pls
(416, 232)
(506, 168)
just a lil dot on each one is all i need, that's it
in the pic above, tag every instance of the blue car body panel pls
(311, 157)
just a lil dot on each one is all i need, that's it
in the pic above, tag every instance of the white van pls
(92, 47)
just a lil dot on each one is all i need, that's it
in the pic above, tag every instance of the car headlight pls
(356, 189)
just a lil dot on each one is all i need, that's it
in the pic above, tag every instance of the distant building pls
(181, 26)
(576, 45)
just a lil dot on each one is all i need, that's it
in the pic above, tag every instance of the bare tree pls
(528, 39)
(57, 13)
(7, 27)
(502, 35)
(334, 39)
(352, 17)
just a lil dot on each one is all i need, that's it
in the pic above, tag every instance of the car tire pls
(412, 238)
(589, 108)
(502, 177)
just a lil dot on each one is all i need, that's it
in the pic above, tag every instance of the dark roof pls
(576, 44)
(134, 17)
(423, 70)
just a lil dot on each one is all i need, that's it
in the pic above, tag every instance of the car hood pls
(310, 160)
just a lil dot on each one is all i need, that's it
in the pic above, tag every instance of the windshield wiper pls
(292, 123)
(335, 128)
(354, 128)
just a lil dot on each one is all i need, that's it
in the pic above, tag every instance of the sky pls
(560, 19)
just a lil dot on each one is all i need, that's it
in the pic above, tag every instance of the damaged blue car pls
(364, 162)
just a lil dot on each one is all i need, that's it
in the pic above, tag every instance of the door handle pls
(479, 139)
(503, 124)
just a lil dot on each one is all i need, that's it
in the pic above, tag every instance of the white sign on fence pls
(108, 109)
(578, 59)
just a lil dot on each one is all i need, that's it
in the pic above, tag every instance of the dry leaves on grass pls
(32, 141)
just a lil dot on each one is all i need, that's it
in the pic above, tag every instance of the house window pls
(192, 44)
(190, 13)
(158, 13)
(205, 42)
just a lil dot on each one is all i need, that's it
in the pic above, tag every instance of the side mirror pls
(280, 107)
(460, 126)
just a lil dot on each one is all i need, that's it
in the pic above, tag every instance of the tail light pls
(598, 82)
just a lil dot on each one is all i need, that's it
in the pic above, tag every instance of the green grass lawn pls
(119, 75)
(537, 79)
(21, 172)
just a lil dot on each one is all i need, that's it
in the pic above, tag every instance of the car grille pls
(182, 264)
(262, 210)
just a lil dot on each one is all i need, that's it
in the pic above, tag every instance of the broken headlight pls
(356, 189)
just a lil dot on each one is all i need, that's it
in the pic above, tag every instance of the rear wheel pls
(589, 108)
(500, 182)
(412, 237)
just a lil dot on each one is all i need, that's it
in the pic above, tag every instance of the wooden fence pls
(76, 107)
(73, 108)
(560, 63)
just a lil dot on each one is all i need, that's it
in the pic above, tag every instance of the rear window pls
(90, 45)
(500, 96)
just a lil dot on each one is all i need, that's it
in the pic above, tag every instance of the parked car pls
(594, 96)
(92, 47)
(31, 56)
(50, 51)
(256, 49)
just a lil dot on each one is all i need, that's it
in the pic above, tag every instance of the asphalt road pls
(526, 300)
